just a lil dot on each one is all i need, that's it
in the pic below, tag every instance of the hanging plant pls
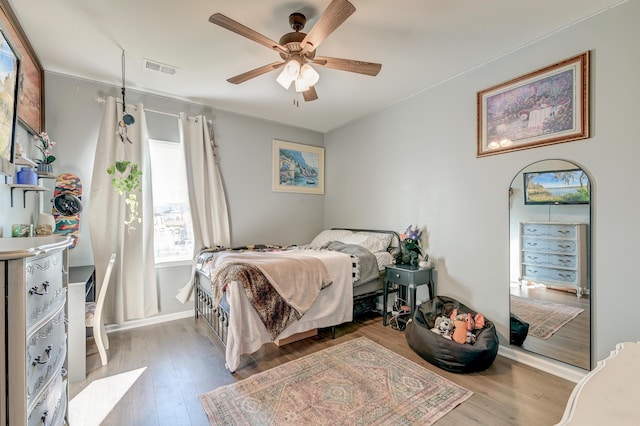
(127, 179)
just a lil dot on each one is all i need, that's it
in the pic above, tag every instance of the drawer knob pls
(38, 360)
(45, 288)
(397, 275)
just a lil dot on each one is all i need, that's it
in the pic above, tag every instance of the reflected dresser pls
(33, 362)
(555, 254)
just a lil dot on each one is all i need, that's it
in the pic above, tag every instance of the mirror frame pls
(517, 180)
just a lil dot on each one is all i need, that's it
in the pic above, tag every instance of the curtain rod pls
(170, 114)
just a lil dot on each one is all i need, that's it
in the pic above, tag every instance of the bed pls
(257, 294)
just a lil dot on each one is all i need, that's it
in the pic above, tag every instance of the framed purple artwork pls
(547, 106)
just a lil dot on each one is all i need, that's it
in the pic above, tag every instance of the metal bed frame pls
(218, 317)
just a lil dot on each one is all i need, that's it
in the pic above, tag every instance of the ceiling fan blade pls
(310, 94)
(360, 67)
(238, 28)
(335, 14)
(241, 78)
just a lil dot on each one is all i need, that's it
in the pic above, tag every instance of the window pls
(172, 229)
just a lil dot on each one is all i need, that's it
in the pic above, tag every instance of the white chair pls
(93, 314)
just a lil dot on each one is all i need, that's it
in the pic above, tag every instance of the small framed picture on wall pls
(298, 168)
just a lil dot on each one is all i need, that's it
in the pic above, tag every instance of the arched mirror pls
(550, 261)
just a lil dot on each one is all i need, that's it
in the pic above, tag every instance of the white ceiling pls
(418, 42)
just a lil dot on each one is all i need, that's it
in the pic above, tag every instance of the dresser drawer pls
(549, 245)
(51, 407)
(46, 351)
(45, 292)
(546, 259)
(549, 230)
(549, 274)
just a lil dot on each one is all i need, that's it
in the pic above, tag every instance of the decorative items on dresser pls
(33, 363)
(555, 254)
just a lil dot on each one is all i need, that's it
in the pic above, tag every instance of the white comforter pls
(333, 306)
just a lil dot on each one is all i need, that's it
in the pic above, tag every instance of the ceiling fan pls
(298, 50)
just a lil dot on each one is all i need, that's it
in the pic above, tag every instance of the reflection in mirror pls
(550, 261)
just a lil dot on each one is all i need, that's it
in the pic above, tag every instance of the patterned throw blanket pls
(274, 312)
(280, 286)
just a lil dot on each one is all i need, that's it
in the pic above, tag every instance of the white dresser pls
(609, 393)
(33, 363)
(555, 253)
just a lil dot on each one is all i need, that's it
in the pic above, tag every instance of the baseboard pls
(565, 371)
(157, 319)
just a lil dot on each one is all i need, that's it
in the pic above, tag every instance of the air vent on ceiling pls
(148, 64)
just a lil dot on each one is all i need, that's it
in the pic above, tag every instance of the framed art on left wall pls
(298, 168)
(10, 70)
(31, 96)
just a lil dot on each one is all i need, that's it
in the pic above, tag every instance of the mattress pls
(358, 290)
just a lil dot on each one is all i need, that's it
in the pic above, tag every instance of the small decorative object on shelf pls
(45, 168)
(19, 150)
(27, 176)
(22, 230)
(45, 145)
(46, 224)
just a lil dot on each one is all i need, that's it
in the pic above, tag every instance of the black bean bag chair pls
(519, 330)
(448, 354)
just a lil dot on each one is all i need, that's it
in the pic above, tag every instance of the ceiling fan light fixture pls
(289, 74)
(300, 47)
(284, 80)
(301, 84)
(309, 74)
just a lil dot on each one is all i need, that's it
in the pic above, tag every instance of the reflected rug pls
(356, 382)
(544, 318)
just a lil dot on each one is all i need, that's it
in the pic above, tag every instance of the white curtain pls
(133, 291)
(207, 200)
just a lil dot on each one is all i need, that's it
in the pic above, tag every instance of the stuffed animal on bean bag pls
(460, 331)
(443, 327)
(464, 325)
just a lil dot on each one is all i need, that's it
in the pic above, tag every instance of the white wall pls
(417, 165)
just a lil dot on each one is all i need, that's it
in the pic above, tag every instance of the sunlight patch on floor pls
(92, 405)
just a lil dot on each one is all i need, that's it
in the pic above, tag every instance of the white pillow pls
(383, 238)
(372, 241)
(327, 236)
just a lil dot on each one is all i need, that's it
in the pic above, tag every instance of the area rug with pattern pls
(358, 382)
(544, 318)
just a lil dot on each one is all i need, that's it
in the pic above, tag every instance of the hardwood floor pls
(184, 359)
(570, 344)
